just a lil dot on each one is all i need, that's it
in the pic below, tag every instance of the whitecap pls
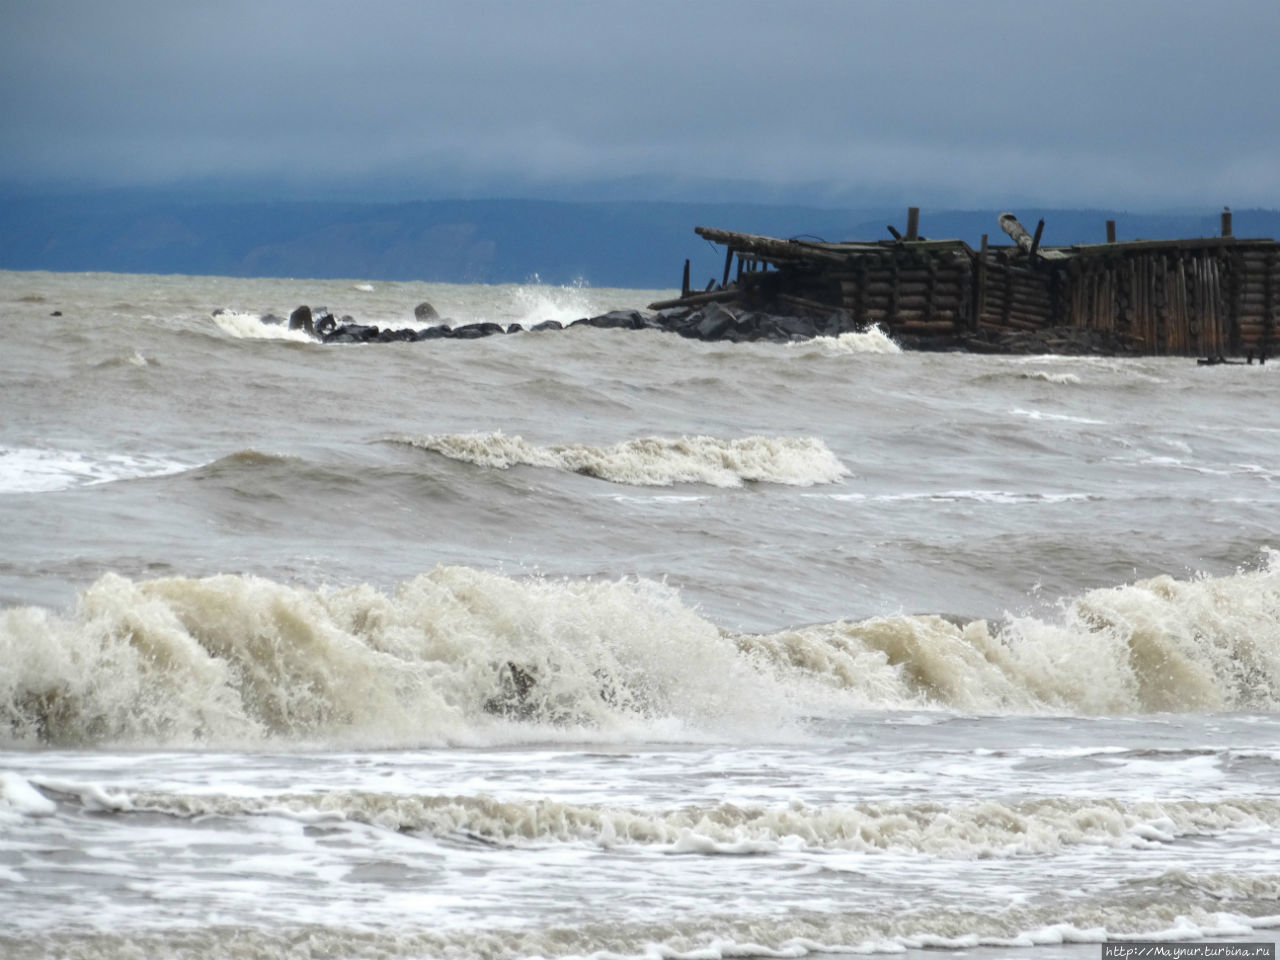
(39, 470)
(653, 461)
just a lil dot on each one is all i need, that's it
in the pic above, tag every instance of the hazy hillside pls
(629, 244)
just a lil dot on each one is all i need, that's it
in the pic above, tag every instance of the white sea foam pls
(248, 326)
(694, 934)
(18, 799)
(1063, 379)
(871, 340)
(1001, 497)
(36, 470)
(976, 830)
(654, 461)
(459, 655)
(1056, 417)
(363, 287)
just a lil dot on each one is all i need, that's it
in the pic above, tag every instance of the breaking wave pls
(36, 470)
(248, 326)
(459, 655)
(653, 461)
(951, 830)
(871, 340)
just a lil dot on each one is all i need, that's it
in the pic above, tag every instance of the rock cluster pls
(714, 321)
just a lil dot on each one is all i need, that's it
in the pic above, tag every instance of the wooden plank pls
(697, 299)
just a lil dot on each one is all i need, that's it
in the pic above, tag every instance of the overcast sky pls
(1134, 104)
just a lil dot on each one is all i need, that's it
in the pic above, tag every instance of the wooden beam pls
(913, 223)
(1016, 231)
(697, 299)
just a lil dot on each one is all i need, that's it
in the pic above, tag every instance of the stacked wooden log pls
(1210, 296)
(1257, 297)
(1018, 295)
(912, 289)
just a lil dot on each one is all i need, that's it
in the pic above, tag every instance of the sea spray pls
(236, 659)
(248, 326)
(456, 654)
(871, 340)
(1206, 643)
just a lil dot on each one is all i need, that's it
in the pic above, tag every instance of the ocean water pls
(601, 643)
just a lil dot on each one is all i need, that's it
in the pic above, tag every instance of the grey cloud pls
(1079, 102)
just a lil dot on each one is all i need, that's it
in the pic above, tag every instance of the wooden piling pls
(913, 223)
(1111, 231)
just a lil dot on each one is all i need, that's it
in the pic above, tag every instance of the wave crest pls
(954, 830)
(653, 461)
(459, 655)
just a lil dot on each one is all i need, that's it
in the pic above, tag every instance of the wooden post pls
(1035, 241)
(1111, 231)
(893, 230)
(1226, 221)
(981, 293)
(728, 262)
(684, 284)
(913, 223)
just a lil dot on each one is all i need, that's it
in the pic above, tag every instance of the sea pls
(611, 644)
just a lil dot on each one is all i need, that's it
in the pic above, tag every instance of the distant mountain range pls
(606, 244)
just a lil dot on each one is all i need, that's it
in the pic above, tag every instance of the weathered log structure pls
(1211, 296)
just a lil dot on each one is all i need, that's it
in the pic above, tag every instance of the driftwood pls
(1016, 231)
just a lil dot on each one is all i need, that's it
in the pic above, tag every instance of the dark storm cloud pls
(1131, 102)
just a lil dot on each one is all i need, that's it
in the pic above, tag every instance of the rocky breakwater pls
(713, 322)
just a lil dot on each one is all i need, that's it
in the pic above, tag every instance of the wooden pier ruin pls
(1206, 296)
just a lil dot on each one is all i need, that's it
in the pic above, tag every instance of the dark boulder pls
(713, 321)
(434, 333)
(834, 324)
(617, 320)
(300, 319)
(671, 319)
(547, 325)
(791, 328)
(515, 328)
(355, 332)
(424, 312)
(325, 325)
(268, 318)
(473, 331)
